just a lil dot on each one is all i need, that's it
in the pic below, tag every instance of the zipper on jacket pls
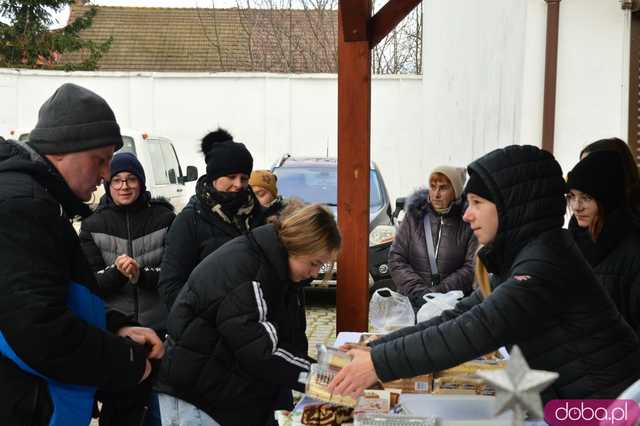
(136, 308)
(439, 235)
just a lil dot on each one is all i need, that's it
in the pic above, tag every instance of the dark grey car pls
(315, 180)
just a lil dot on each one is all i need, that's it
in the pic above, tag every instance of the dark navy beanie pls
(127, 162)
(74, 119)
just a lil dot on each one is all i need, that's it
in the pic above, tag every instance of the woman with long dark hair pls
(605, 229)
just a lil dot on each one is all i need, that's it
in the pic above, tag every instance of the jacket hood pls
(21, 158)
(418, 205)
(528, 188)
(143, 200)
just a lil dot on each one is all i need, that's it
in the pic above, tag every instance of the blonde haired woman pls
(236, 339)
(544, 296)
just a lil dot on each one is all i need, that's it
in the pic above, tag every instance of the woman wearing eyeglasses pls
(123, 241)
(605, 230)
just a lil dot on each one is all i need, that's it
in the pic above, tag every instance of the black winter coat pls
(41, 254)
(195, 234)
(545, 299)
(138, 230)
(615, 258)
(408, 256)
(237, 332)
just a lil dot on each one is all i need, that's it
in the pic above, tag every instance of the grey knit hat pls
(74, 119)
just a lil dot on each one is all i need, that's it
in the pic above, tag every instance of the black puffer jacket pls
(408, 257)
(195, 234)
(237, 332)
(138, 230)
(615, 259)
(41, 255)
(545, 299)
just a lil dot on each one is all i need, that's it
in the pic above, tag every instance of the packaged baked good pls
(328, 356)
(368, 337)
(417, 384)
(464, 384)
(326, 414)
(317, 383)
(471, 367)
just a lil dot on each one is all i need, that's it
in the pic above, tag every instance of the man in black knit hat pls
(53, 329)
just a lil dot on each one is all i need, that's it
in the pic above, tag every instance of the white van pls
(159, 160)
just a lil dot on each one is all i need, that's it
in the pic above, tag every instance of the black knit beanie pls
(600, 174)
(476, 185)
(127, 162)
(74, 119)
(224, 156)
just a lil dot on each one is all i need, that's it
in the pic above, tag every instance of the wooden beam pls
(354, 119)
(354, 20)
(386, 19)
(550, 75)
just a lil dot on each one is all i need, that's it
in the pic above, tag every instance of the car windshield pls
(320, 185)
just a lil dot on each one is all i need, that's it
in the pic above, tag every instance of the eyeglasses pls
(579, 200)
(132, 181)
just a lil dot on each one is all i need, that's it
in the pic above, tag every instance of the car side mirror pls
(400, 202)
(192, 174)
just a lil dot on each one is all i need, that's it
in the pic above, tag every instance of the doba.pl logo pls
(592, 412)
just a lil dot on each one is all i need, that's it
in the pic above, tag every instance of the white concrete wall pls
(593, 76)
(484, 76)
(272, 114)
(473, 71)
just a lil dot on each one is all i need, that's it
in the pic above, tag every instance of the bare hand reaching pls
(357, 376)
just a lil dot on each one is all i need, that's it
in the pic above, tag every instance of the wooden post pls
(354, 118)
(550, 75)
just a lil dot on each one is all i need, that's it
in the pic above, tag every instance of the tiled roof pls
(212, 40)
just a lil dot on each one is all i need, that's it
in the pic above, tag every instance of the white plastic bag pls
(390, 311)
(437, 303)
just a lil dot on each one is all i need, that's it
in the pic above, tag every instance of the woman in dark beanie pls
(223, 208)
(237, 330)
(123, 241)
(629, 167)
(543, 296)
(605, 230)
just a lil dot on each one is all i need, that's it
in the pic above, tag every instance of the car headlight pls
(382, 234)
